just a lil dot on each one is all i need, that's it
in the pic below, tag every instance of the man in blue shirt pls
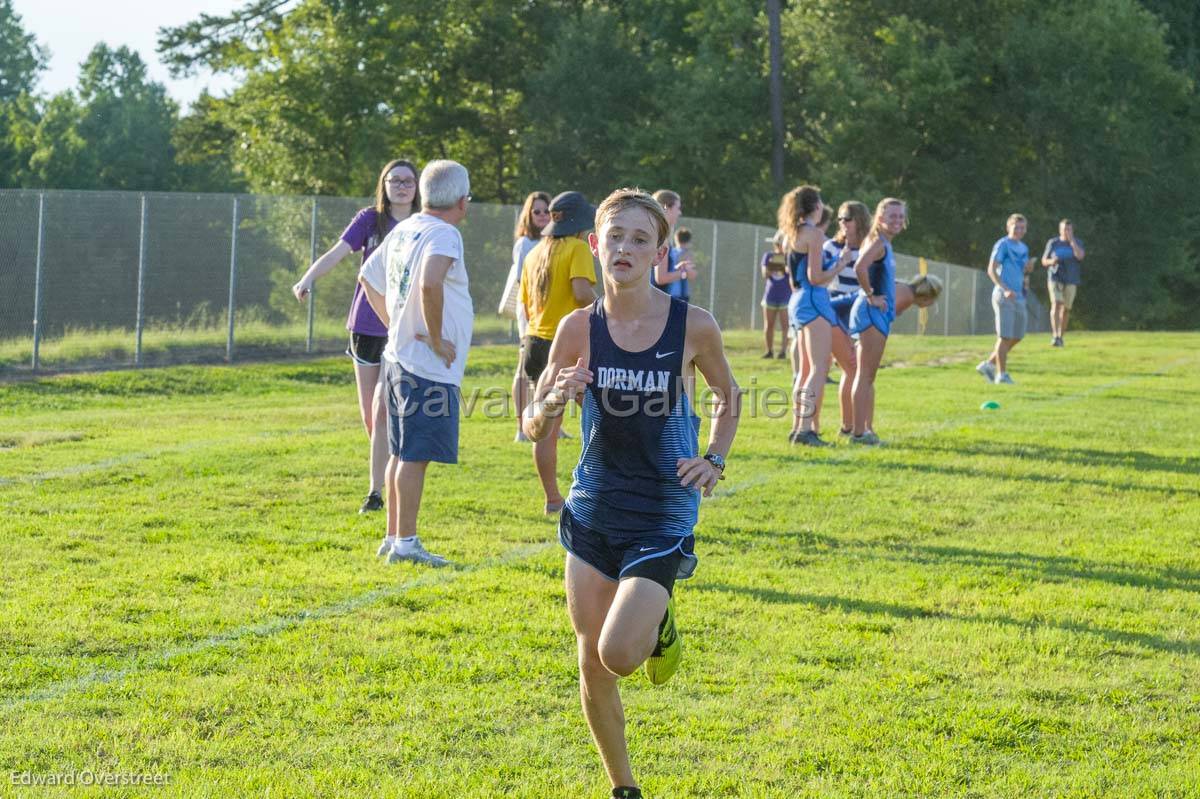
(1008, 268)
(1062, 257)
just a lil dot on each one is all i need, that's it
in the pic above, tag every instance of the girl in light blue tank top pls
(873, 311)
(810, 309)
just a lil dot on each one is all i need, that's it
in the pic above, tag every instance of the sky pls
(70, 28)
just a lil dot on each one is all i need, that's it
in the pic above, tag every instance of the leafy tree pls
(115, 133)
(21, 57)
(21, 60)
(203, 144)
(920, 101)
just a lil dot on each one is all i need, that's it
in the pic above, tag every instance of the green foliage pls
(114, 132)
(968, 111)
(1051, 110)
(21, 57)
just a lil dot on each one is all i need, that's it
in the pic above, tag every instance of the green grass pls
(162, 345)
(997, 604)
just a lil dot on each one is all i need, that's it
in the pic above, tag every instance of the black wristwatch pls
(717, 461)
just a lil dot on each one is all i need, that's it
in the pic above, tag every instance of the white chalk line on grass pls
(134, 457)
(275, 626)
(267, 629)
(517, 554)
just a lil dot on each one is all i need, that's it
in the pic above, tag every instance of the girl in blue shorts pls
(854, 221)
(873, 311)
(809, 309)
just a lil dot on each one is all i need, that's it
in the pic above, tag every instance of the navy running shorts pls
(366, 350)
(661, 558)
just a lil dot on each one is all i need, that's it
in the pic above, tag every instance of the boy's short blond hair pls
(1016, 218)
(623, 199)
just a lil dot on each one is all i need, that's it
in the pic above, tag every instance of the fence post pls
(312, 247)
(141, 286)
(946, 331)
(758, 237)
(513, 333)
(974, 297)
(712, 286)
(233, 237)
(37, 282)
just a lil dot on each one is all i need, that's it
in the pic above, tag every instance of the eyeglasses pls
(404, 183)
(845, 219)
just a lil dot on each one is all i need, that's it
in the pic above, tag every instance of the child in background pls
(776, 293)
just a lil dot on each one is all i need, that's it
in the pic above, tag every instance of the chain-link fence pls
(128, 279)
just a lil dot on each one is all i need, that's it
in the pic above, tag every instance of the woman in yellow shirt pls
(558, 277)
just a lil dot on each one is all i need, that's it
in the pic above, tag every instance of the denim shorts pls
(422, 416)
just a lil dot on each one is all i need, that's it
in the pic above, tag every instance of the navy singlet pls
(637, 422)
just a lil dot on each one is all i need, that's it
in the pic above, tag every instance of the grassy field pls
(165, 345)
(997, 604)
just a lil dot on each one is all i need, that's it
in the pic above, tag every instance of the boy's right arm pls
(564, 379)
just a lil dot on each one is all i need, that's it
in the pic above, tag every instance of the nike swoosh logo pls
(645, 549)
(661, 355)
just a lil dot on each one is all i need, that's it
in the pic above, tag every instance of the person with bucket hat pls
(559, 277)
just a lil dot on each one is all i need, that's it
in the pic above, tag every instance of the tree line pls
(1085, 109)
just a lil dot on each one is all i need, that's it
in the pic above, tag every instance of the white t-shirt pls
(395, 269)
(521, 248)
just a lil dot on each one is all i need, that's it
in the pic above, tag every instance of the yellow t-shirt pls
(572, 258)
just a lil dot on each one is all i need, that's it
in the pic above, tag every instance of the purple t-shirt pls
(361, 234)
(777, 291)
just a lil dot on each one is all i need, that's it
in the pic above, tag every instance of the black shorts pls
(535, 353)
(661, 558)
(366, 350)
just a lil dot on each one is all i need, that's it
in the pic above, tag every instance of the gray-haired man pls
(417, 282)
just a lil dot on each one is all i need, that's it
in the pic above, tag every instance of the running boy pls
(630, 360)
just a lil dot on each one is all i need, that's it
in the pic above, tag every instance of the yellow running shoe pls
(664, 660)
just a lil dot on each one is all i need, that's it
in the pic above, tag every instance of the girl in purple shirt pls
(777, 290)
(396, 196)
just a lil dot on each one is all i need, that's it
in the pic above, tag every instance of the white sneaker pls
(385, 547)
(1005, 379)
(414, 552)
(988, 371)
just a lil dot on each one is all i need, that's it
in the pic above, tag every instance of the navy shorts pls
(366, 350)
(422, 416)
(661, 558)
(535, 354)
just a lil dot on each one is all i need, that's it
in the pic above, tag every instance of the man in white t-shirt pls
(416, 280)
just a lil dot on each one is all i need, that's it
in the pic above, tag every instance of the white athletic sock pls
(404, 543)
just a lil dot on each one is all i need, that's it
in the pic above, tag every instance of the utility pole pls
(776, 93)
